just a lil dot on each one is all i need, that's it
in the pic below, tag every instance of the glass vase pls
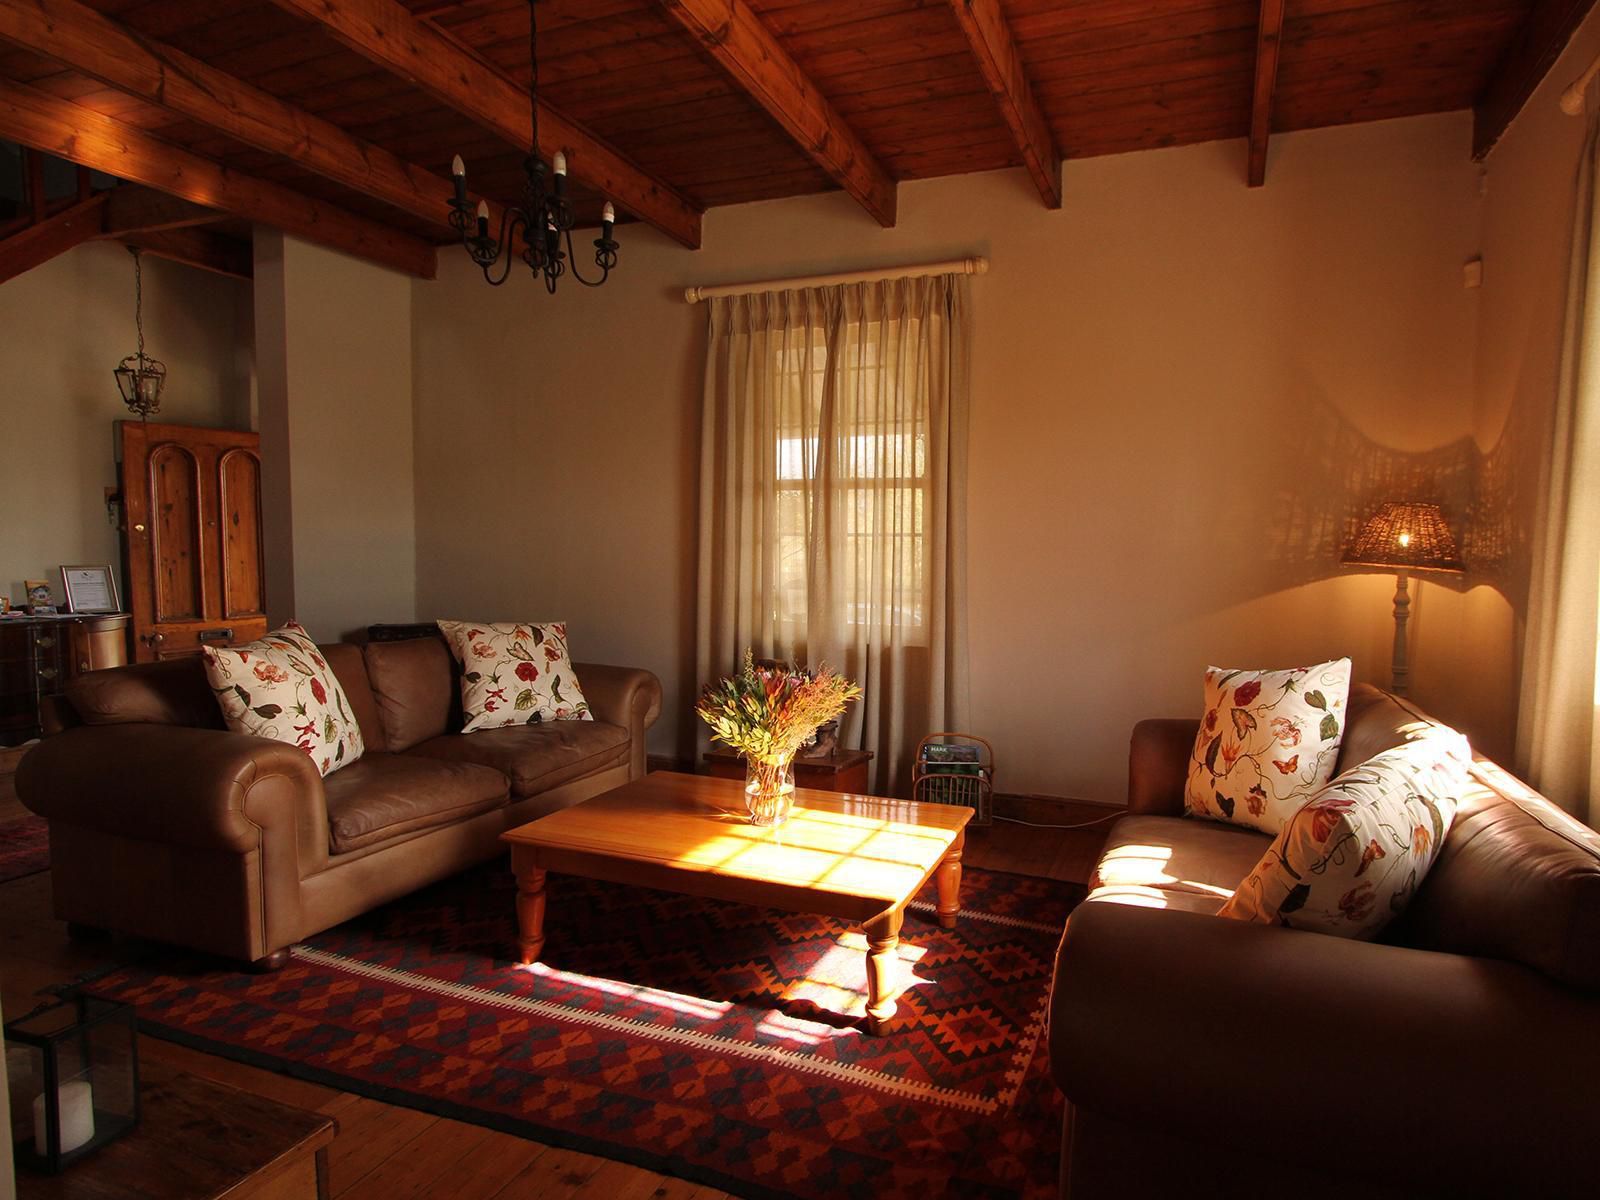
(768, 790)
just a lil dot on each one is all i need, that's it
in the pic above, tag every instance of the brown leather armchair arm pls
(1417, 1068)
(203, 789)
(626, 696)
(1158, 765)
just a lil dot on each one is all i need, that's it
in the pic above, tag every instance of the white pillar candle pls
(77, 1118)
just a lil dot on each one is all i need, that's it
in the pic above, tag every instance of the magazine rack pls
(955, 768)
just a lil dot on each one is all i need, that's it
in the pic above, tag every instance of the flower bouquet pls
(768, 714)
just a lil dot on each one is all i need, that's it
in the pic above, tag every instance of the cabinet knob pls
(83, 664)
(138, 528)
(47, 672)
(46, 642)
(154, 639)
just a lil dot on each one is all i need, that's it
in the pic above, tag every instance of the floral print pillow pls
(514, 674)
(280, 688)
(1352, 858)
(1267, 743)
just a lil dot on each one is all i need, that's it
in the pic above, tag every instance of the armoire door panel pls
(239, 485)
(175, 551)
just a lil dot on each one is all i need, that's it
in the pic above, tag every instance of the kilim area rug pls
(24, 848)
(712, 1041)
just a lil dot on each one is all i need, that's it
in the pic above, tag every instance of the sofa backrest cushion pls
(351, 670)
(413, 683)
(173, 692)
(1518, 879)
(1374, 722)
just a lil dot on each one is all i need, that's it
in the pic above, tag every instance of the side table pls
(841, 771)
(198, 1140)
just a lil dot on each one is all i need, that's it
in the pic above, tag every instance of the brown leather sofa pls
(166, 825)
(1209, 1057)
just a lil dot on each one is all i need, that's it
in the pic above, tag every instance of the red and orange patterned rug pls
(24, 848)
(712, 1041)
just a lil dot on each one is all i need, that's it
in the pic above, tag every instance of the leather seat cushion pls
(1152, 855)
(382, 796)
(538, 757)
(415, 683)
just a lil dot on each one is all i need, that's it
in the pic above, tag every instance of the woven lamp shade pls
(1411, 537)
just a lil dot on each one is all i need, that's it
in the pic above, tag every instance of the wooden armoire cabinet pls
(39, 654)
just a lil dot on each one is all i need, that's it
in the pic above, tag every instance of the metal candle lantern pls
(73, 1077)
(140, 378)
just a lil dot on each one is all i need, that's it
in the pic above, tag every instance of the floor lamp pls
(1405, 538)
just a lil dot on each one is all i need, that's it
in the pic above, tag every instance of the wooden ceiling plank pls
(43, 240)
(81, 39)
(73, 132)
(134, 209)
(1269, 33)
(735, 37)
(201, 248)
(423, 54)
(1001, 67)
(1527, 60)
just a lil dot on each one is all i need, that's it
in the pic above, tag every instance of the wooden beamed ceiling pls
(337, 119)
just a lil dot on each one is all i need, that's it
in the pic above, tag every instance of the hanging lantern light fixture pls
(140, 377)
(542, 221)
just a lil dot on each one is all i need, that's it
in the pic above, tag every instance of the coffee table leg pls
(949, 880)
(883, 970)
(530, 912)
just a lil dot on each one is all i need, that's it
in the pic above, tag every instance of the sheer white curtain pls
(833, 499)
(1558, 733)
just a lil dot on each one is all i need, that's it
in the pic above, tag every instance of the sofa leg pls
(275, 961)
(78, 932)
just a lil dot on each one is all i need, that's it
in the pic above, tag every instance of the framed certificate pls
(90, 589)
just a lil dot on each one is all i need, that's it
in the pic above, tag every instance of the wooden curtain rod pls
(955, 266)
(1572, 99)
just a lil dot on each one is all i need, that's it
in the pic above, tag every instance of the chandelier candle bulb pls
(458, 172)
(483, 218)
(608, 219)
(559, 163)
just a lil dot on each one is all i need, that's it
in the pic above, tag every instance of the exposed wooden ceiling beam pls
(43, 240)
(198, 248)
(134, 209)
(421, 53)
(80, 135)
(1269, 35)
(83, 40)
(1539, 41)
(733, 35)
(996, 51)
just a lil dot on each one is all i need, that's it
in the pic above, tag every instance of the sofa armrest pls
(626, 696)
(1453, 1074)
(1158, 765)
(203, 789)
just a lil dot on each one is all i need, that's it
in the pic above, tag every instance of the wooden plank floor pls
(387, 1153)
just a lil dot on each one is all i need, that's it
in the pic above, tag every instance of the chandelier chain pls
(138, 299)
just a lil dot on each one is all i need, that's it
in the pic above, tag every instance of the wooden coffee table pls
(858, 858)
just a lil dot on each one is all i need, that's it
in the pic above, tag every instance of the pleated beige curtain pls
(833, 499)
(1558, 734)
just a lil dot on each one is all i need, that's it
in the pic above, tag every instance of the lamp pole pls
(1400, 673)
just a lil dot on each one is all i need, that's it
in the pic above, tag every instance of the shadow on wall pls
(1345, 475)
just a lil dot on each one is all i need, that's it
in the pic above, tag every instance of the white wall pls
(334, 345)
(63, 327)
(1183, 391)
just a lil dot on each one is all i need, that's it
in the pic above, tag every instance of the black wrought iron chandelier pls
(140, 378)
(543, 220)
